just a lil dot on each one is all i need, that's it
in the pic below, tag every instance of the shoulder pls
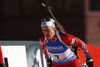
(67, 35)
(41, 40)
(69, 39)
(70, 35)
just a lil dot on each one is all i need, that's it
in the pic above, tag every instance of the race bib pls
(59, 57)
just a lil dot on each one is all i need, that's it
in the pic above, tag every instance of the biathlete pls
(57, 46)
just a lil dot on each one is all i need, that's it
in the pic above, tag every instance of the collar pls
(54, 40)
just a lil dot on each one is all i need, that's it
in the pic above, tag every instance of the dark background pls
(95, 5)
(20, 19)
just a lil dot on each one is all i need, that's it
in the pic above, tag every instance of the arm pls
(45, 51)
(83, 46)
(72, 40)
(43, 47)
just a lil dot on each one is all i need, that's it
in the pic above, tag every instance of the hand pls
(49, 63)
(89, 62)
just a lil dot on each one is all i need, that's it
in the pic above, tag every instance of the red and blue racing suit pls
(61, 53)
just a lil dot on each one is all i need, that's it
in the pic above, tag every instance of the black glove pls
(89, 62)
(49, 63)
(2, 65)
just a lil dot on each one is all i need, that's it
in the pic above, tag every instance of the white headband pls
(48, 23)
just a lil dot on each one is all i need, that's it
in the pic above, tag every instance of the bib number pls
(57, 56)
(62, 56)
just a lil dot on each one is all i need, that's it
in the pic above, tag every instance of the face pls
(49, 32)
